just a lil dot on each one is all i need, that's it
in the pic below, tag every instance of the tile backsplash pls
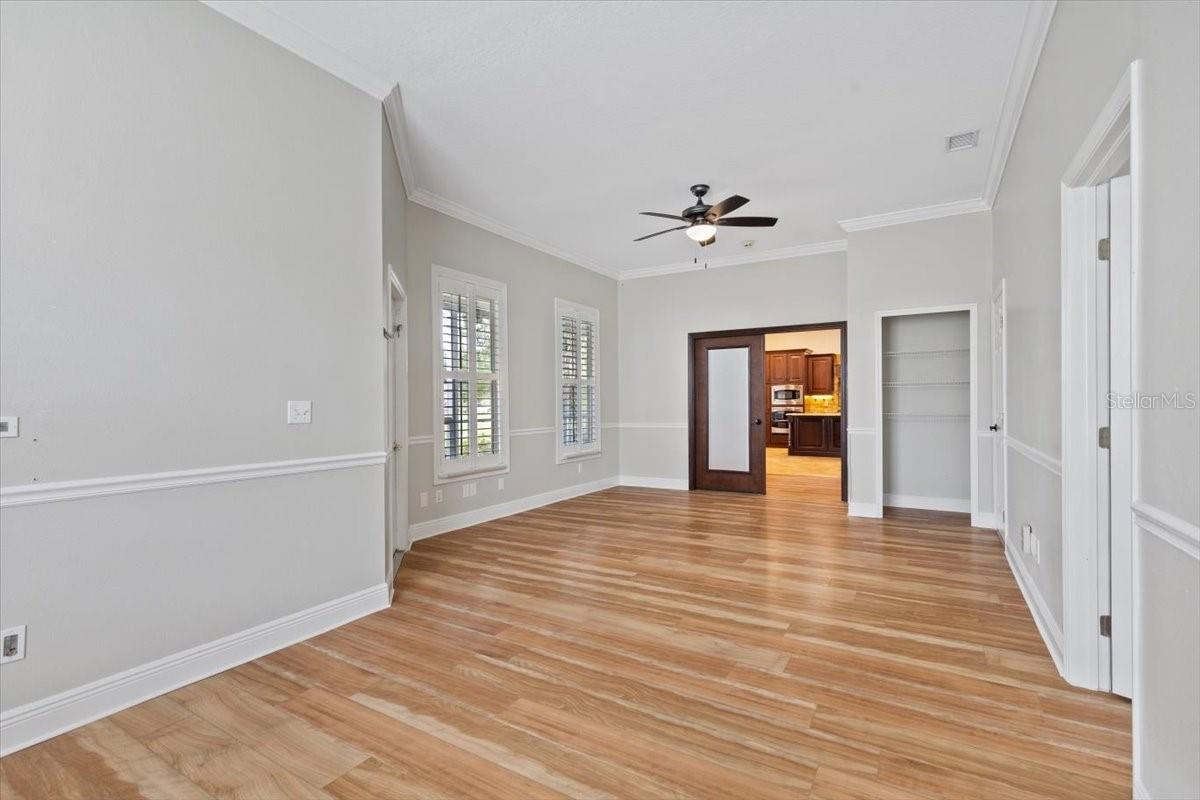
(821, 403)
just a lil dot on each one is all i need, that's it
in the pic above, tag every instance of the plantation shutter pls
(578, 426)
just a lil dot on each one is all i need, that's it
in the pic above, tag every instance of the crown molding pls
(290, 36)
(1038, 15)
(799, 251)
(921, 214)
(393, 109)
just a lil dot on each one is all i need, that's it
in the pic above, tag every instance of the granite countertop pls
(813, 413)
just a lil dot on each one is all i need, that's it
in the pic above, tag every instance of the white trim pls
(1043, 460)
(797, 251)
(956, 504)
(417, 441)
(988, 519)
(32, 493)
(1140, 792)
(37, 721)
(972, 315)
(860, 431)
(259, 18)
(465, 519)
(953, 209)
(1051, 633)
(651, 482)
(1179, 533)
(393, 109)
(1038, 15)
(872, 510)
(638, 426)
(531, 431)
(460, 212)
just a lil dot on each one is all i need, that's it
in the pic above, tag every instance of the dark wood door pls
(820, 374)
(728, 427)
(797, 369)
(777, 368)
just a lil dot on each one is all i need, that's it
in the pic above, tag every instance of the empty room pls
(553, 399)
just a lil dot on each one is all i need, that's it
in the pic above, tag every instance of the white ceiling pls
(559, 121)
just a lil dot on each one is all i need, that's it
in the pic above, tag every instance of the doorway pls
(396, 424)
(765, 410)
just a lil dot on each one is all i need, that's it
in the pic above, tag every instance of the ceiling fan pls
(702, 219)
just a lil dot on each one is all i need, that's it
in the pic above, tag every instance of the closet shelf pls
(926, 353)
(909, 384)
(927, 417)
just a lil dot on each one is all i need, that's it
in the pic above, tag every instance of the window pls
(470, 374)
(578, 398)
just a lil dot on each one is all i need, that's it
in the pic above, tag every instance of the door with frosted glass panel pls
(728, 437)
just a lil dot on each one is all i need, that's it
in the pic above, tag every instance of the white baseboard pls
(872, 510)
(465, 519)
(1140, 792)
(986, 519)
(1051, 633)
(927, 503)
(654, 483)
(40, 720)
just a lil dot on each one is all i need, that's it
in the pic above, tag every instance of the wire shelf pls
(914, 384)
(927, 353)
(900, 415)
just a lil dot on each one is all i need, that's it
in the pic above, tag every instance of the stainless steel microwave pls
(787, 394)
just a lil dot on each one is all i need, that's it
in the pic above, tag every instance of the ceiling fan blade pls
(664, 216)
(709, 241)
(660, 233)
(725, 206)
(748, 222)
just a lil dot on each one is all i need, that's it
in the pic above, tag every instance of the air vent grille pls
(962, 141)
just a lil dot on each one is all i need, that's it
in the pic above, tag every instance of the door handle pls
(995, 427)
(758, 421)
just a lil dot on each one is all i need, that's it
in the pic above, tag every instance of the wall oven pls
(788, 394)
(779, 420)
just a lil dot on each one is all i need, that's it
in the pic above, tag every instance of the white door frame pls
(1000, 415)
(972, 313)
(1114, 137)
(396, 424)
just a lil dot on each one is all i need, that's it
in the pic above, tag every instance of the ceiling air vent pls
(962, 141)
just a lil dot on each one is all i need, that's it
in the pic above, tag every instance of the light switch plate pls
(13, 640)
(9, 426)
(299, 412)
(424, 499)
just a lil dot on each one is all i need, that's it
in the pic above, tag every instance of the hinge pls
(387, 334)
(1103, 248)
(1106, 625)
(1105, 437)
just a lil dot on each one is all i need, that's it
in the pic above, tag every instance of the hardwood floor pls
(639, 643)
(780, 463)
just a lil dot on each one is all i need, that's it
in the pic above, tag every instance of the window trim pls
(566, 454)
(440, 474)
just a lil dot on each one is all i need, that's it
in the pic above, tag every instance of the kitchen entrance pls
(787, 427)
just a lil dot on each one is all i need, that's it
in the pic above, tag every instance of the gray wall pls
(920, 264)
(190, 238)
(534, 279)
(1089, 47)
(658, 313)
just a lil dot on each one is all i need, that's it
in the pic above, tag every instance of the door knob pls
(995, 427)
(758, 421)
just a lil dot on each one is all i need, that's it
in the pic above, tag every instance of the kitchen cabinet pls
(797, 368)
(821, 369)
(815, 436)
(777, 368)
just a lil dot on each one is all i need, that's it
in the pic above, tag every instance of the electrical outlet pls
(424, 499)
(299, 412)
(13, 648)
(1037, 549)
(579, 468)
(1027, 538)
(437, 495)
(500, 484)
(9, 426)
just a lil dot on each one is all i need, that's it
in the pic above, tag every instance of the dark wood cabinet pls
(821, 369)
(797, 368)
(815, 436)
(777, 368)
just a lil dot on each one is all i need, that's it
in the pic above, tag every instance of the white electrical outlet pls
(299, 412)
(1037, 549)
(437, 495)
(9, 426)
(424, 499)
(1027, 538)
(13, 640)
(579, 468)
(500, 484)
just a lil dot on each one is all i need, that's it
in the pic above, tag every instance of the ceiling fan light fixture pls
(701, 231)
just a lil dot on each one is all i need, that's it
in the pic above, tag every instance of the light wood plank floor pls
(780, 463)
(638, 643)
